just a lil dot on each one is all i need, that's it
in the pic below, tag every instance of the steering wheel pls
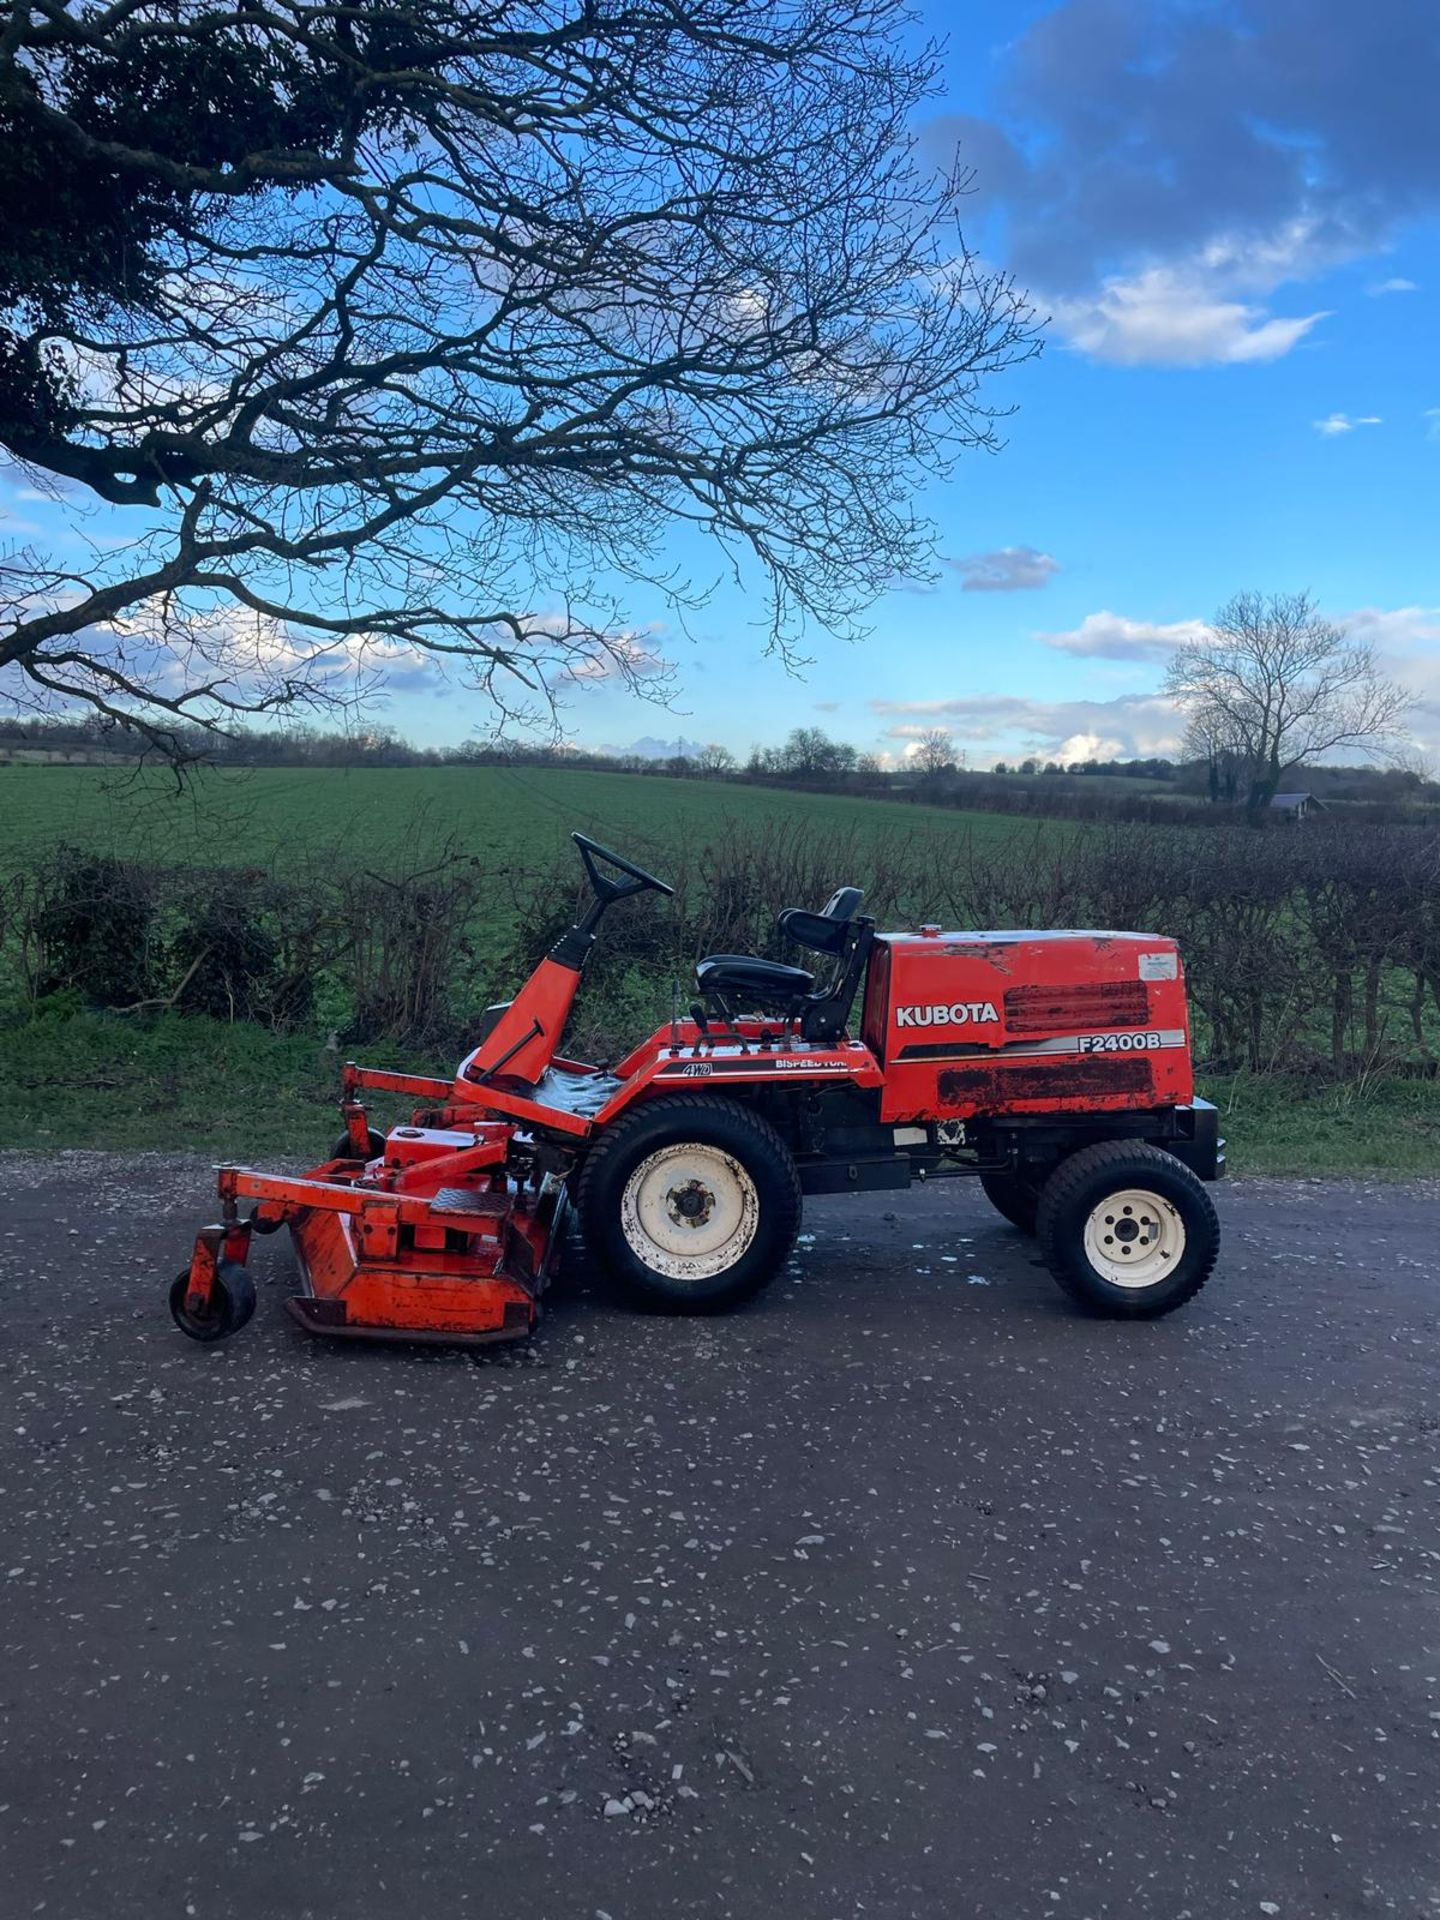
(607, 888)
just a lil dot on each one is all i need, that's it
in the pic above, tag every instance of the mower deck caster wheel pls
(231, 1304)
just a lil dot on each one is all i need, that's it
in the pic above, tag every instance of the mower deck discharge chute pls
(1055, 1067)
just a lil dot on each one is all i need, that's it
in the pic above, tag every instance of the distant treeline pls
(1153, 790)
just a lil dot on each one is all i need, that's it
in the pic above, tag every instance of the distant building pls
(1297, 805)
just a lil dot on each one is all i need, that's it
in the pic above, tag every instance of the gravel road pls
(908, 1592)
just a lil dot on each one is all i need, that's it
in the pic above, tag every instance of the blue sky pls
(1231, 209)
(1209, 310)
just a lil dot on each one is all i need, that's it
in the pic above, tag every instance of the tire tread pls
(1064, 1191)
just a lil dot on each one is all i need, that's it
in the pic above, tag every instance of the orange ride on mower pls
(1055, 1068)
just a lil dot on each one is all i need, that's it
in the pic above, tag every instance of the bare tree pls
(407, 331)
(933, 752)
(1212, 738)
(715, 758)
(1273, 685)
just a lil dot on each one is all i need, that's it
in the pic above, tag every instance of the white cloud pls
(1158, 319)
(1133, 725)
(1136, 725)
(1006, 570)
(1407, 646)
(1170, 317)
(650, 746)
(1111, 636)
(1397, 630)
(1378, 289)
(1431, 415)
(1406, 642)
(1206, 308)
(1337, 423)
(1091, 746)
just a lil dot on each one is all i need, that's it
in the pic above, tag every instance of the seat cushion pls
(739, 973)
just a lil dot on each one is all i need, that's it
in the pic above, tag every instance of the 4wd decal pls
(959, 1013)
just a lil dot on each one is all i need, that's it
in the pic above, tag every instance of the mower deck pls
(432, 1239)
(471, 1270)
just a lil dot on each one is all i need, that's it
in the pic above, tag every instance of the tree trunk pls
(1373, 972)
(1341, 1006)
(1264, 785)
(1417, 1013)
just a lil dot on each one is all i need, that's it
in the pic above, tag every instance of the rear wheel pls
(1016, 1198)
(1127, 1229)
(692, 1203)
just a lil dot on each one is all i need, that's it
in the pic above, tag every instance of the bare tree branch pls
(407, 323)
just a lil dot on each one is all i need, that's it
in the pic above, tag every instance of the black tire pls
(342, 1149)
(232, 1301)
(1013, 1197)
(756, 1183)
(1071, 1200)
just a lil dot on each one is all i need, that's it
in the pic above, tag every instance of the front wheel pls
(1127, 1229)
(1012, 1197)
(692, 1203)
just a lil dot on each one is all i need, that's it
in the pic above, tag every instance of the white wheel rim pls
(1134, 1238)
(689, 1211)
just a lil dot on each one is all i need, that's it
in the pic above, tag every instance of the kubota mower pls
(1053, 1067)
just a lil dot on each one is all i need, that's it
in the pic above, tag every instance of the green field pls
(275, 817)
(186, 1081)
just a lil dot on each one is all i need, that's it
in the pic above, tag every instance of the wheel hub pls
(1134, 1238)
(690, 1205)
(690, 1211)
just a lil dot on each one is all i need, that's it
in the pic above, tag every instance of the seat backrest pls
(827, 1011)
(840, 931)
(823, 932)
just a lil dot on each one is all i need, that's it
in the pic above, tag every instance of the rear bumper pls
(1196, 1139)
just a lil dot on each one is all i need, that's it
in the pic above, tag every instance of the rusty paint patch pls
(1065, 1079)
(999, 954)
(1092, 1003)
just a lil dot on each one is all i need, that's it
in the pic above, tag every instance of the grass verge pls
(181, 1082)
(1379, 1129)
(187, 1083)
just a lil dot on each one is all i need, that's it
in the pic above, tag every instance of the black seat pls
(746, 973)
(835, 931)
(826, 931)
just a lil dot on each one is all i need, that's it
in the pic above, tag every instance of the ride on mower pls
(1053, 1067)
